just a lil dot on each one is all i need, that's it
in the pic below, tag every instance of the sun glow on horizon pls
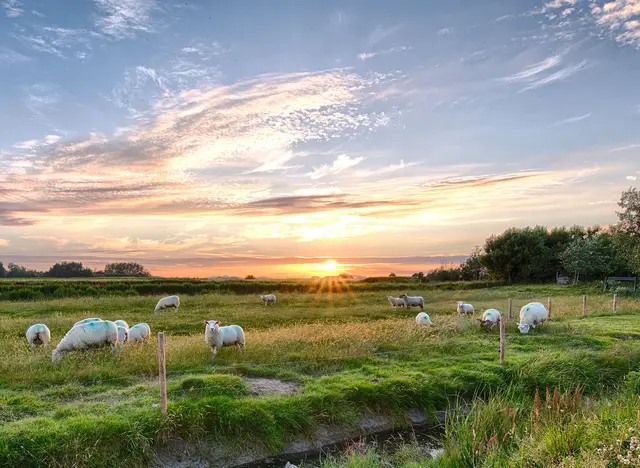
(330, 265)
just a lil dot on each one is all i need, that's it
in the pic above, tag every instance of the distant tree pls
(3, 271)
(69, 270)
(626, 233)
(587, 257)
(18, 271)
(250, 277)
(391, 275)
(472, 269)
(125, 269)
(419, 277)
(345, 276)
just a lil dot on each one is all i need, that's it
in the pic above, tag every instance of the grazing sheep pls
(395, 301)
(88, 335)
(166, 302)
(268, 299)
(217, 337)
(412, 301)
(490, 319)
(139, 333)
(464, 308)
(123, 335)
(423, 319)
(38, 334)
(87, 320)
(531, 315)
(122, 323)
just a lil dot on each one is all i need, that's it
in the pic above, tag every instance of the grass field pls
(350, 353)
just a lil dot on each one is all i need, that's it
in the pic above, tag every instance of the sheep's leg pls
(214, 351)
(113, 347)
(240, 347)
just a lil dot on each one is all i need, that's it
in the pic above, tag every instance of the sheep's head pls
(524, 327)
(212, 324)
(402, 296)
(56, 355)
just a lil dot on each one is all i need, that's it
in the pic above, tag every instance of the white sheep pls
(268, 299)
(490, 318)
(217, 337)
(412, 301)
(464, 308)
(121, 323)
(87, 335)
(395, 301)
(38, 334)
(531, 315)
(123, 335)
(87, 320)
(166, 302)
(423, 319)
(139, 333)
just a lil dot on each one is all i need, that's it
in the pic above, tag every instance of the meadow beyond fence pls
(328, 359)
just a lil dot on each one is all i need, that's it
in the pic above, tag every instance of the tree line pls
(538, 254)
(75, 270)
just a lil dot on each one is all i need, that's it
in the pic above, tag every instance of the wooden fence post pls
(163, 373)
(615, 303)
(510, 307)
(584, 306)
(501, 341)
(549, 306)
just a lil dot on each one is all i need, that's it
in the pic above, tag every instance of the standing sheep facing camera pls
(268, 299)
(217, 337)
(89, 335)
(464, 308)
(139, 333)
(531, 315)
(166, 302)
(412, 301)
(38, 334)
(395, 301)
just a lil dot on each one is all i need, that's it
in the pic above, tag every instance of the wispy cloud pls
(533, 70)
(12, 8)
(122, 19)
(381, 33)
(625, 148)
(560, 75)
(340, 164)
(29, 144)
(369, 55)
(41, 98)
(577, 118)
(8, 56)
(385, 170)
(532, 75)
(58, 41)
(631, 177)
(445, 31)
(340, 18)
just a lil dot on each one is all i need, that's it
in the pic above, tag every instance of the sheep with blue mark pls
(87, 335)
(87, 320)
(532, 314)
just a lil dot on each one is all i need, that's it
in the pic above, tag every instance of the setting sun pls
(330, 266)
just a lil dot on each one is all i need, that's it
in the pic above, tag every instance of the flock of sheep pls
(532, 314)
(95, 332)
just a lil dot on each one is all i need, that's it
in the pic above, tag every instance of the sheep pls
(412, 301)
(395, 301)
(531, 315)
(123, 335)
(268, 299)
(38, 334)
(490, 318)
(464, 308)
(166, 302)
(217, 337)
(139, 333)
(423, 319)
(122, 323)
(87, 335)
(87, 320)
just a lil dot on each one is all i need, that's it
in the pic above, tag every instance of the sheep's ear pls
(206, 322)
(218, 322)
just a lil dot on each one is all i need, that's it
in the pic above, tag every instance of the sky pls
(268, 138)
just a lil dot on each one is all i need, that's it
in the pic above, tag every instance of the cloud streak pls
(575, 119)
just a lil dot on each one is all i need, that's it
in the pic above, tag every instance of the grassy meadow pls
(349, 354)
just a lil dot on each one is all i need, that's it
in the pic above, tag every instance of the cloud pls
(29, 144)
(630, 177)
(530, 72)
(8, 56)
(445, 31)
(51, 139)
(368, 55)
(577, 118)
(12, 8)
(341, 163)
(532, 75)
(624, 148)
(340, 18)
(55, 241)
(41, 98)
(385, 170)
(123, 19)
(4, 243)
(381, 33)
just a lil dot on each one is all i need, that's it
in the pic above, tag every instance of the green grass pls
(350, 353)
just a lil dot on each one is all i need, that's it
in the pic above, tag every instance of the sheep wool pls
(423, 319)
(531, 315)
(268, 299)
(217, 337)
(464, 308)
(88, 335)
(395, 301)
(123, 335)
(121, 323)
(38, 334)
(412, 301)
(167, 302)
(139, 333)
(490, 318)
(87, 320)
